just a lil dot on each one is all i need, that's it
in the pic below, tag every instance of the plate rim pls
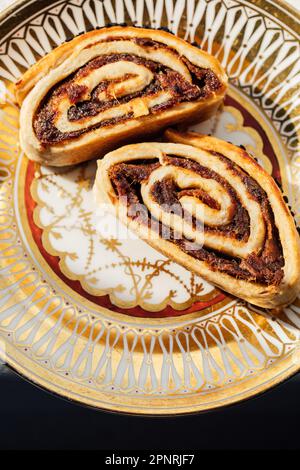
(83, 400)
(281, 3)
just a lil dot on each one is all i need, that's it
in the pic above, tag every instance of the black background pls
(34, 419)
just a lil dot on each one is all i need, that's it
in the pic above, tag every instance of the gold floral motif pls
(52, 193)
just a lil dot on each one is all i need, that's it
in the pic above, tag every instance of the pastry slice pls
(209, 206)
(110, 86)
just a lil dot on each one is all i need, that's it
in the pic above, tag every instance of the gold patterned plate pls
(104, 319)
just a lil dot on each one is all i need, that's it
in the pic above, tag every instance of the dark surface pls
(34, 419)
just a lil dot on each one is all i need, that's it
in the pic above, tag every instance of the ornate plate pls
(102, 318)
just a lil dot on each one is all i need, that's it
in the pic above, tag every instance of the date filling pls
(204, 83)
(265, 267)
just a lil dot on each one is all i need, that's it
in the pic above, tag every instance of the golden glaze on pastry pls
(248, 244)
(110, 86)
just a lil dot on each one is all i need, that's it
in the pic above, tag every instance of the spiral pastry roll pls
(110, 86)
(209, 206)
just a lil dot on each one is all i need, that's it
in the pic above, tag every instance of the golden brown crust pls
(268, 296)
(67, 58)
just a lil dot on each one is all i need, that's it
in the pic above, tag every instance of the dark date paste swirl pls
(204, 83)
(265, 267)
